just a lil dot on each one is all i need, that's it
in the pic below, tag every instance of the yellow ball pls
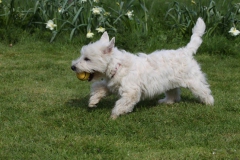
(83, 76)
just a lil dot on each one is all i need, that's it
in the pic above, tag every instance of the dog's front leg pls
(126, 103)
(98, 91)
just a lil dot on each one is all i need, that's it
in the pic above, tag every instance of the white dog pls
(136, 77)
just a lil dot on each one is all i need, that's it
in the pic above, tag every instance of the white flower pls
(106, 14)
(234, 32)
(83, 1)
(89, 34)
(0, 1)
(50, 25)
(193, 1)
(60, 10)
(100, 29)
(97, 10)
(96, 1)
(129, 14)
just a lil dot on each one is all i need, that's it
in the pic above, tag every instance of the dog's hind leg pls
(98, 91)
(171, 96)
(200, 89)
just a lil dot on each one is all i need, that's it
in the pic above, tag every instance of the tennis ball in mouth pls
(83, 76)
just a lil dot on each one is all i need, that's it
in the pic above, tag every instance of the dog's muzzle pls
(74, 68)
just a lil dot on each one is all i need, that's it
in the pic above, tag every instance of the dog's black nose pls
(73, 68)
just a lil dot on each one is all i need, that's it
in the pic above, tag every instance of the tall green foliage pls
(218, 15)
(76, 17)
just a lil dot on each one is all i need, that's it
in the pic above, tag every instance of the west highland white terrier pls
(135, 77)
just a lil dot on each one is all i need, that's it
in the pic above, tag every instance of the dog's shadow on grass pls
(148, 103)
(82, 102)
(109, 102)
(106, 103)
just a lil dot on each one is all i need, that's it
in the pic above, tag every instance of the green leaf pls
(77, 15)
(35, 7)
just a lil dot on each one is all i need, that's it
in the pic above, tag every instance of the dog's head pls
(95, 57)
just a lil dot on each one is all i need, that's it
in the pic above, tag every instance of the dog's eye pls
(86, 59)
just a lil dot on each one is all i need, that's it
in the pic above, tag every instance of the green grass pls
(44, 114)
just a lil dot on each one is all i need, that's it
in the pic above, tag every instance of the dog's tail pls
(196, 40)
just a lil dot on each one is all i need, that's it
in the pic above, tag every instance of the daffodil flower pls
(60, 10)
(129, 14)
(100, 29)
(193, 1)
(234, 32)
(106, 14)
(90, 34)
(50, 25)
(97, 10)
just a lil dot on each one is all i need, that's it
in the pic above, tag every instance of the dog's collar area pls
(114, 71)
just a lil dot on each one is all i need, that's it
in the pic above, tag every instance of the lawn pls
(44, 113)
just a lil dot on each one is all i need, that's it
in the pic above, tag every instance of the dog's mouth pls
(83, 75)
(90, 77)
(87, 76)
(95, 75)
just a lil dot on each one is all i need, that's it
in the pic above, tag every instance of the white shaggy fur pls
(136, 77)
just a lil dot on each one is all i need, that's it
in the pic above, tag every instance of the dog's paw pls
(114, 116)
(165, 101)
(92, 105)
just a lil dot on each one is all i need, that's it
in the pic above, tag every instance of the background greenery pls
(43, 106)
(154, 21)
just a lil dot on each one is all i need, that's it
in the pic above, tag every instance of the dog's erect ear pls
(112, 43)
(110, 46)
(104, 37)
